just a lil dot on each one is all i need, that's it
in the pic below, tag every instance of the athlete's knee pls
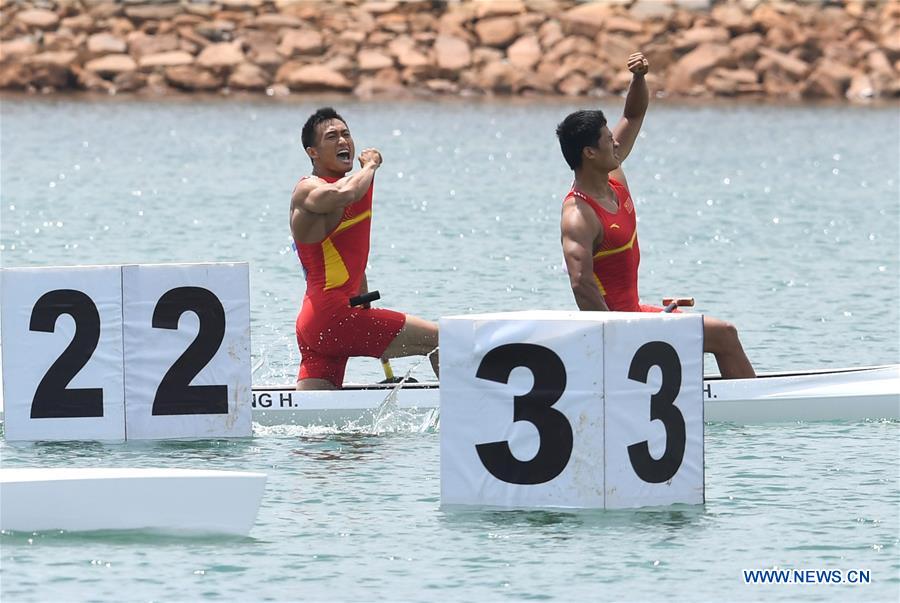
(721, 336)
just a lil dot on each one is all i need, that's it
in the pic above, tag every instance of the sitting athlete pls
(599, 228)
(331, 216)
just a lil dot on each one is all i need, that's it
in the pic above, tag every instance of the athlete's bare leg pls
(720, 338)
(418, 337)
(313, 383)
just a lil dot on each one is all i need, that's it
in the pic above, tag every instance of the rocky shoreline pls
(826, 49)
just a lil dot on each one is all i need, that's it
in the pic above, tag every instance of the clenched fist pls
(370, 156)
(637, 64)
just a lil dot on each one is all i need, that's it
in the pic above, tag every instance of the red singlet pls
(616, 262)
(329, 331)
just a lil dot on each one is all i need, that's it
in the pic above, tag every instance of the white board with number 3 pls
(571, 409)
(187, 350)
(62, 353)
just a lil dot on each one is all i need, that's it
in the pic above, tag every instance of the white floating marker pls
(187, 350)
(62, 353)
(133, 352)
(177, 501)
(571, 409)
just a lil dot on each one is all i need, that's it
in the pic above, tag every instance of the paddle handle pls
(364, 299)
(671, 303)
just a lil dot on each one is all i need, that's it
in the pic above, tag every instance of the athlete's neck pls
(325, 174)
(595, 184)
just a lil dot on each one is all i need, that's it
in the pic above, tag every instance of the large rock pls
(795, 67)
(192, 78)
(249, 77)
(241, 4)
(732, 82)
(276, 21)
(79, 23)
(615, 50)
(525, 52)
(221, 56)
(111, 65)
(498, 8)
(701, 35)
(369, 59)
(104, 43)
(575, 84)
(733, 17)
(498, 32)
(141, 44)
(301, 42)
(37, 18)
(625, 25)
(586, 19)
(828, 80)
(404, 50)
(649, 10)
(129, 81)
(693, 67)
(317, 77)
(500, 76)
(153, 12)
(50, 69)
(746, 47)
(18, 47)
(452, 53)
(172, 58)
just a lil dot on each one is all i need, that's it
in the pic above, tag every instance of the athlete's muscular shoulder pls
(308, 226)
(579, 222)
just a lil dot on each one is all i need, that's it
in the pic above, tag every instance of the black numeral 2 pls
(175, 395)
(52, 399)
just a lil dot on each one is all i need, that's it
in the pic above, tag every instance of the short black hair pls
(308, 135)
(578, 130)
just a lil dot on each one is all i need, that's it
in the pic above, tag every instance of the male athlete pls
(599, 229)
(331, 216)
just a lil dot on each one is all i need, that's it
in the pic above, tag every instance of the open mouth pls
(344, 155)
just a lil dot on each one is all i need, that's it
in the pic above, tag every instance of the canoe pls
(172, 501)
(848, 394)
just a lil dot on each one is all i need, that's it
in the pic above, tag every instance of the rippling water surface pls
(781, 219)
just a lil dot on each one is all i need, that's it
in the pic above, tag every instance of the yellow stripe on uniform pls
(353, 221)
(599, 284)
(335, 270)
(626, 246)
(336, 273)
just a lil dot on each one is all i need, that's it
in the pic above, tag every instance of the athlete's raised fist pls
(370, 156)
(637, 64)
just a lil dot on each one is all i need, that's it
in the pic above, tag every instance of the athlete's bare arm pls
(636, 102)
(316, 205)
(581, 230)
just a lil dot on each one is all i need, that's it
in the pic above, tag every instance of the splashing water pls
(389, 417)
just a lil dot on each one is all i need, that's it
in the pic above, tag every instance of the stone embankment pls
(823, 49)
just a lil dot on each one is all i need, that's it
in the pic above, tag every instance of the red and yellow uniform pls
(616, 261)
(329, 331)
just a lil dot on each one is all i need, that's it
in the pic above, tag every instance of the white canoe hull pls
(174, 501)
(830, 395)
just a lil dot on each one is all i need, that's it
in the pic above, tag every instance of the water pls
(781, 219)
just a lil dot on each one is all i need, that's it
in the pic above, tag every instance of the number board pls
(62, 353)
(187, 350)
(571, 409)
(115, 352)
